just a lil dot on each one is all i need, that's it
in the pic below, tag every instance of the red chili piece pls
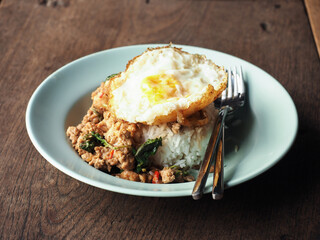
(101, 95)
(155, 178)
(111, 154)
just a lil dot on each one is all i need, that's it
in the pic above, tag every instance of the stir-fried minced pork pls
(107, 144)
(130, 175)
(167, 175)
(117, 133)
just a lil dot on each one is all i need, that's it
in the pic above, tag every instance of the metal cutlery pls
(231, 99)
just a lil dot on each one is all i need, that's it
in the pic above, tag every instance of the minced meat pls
(120, 134)
(121, 137)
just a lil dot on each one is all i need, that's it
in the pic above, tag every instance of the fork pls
(231, 98)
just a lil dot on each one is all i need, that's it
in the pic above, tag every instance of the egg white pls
(163, 81)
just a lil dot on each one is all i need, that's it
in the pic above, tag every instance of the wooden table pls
(37, 201)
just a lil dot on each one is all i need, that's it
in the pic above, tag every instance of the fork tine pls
(223, 96)
(229, 86)
(235, 83)
(224, 93)
(241, 83)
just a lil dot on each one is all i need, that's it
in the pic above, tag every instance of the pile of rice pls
(185, 149)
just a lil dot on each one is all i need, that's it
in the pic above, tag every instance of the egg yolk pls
(160, 88)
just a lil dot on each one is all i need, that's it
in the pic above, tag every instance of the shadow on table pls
(282, 198)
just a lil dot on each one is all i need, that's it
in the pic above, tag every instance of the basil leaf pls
(149, 148)
(90, 142)
(93, 140)
(102, 140)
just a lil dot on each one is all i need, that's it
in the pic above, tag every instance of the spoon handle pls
(218, 183)
(209, 156)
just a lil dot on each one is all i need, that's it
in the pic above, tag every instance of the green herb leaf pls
(93, 140)
(104, 143)
(146, 150)
(179, 171)
(90, 142)
(102, 140)
(111, 76)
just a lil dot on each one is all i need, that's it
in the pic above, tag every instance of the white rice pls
(185, 149)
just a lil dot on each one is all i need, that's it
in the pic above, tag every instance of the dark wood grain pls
(313, 9)
(38, 202)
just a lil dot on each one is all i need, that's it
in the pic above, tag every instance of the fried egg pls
(162, 83)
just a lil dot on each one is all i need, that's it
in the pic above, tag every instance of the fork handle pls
(218, 182)
(209, 156)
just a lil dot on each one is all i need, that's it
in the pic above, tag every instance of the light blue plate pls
(263, 133)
